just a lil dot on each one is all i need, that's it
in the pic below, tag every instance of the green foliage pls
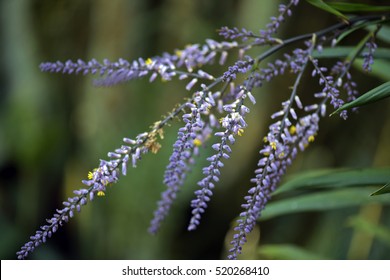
(382, 190)
(336, 178)
(323, 190)
(287, 252)
(380, 232)
(357, 7)
(374, 95)
(326, 7)
(322, 201)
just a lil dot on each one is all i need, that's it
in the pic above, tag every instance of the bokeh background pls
(55, 128)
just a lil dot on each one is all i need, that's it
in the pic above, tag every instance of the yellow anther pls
(265, 139)
(273, 145)
(90, 175)
(101, 193)
(240, 132)
(311, 138)
(149, 61)
(281, 155)
(266, 154)
(292, 130)
(197, 142)
(178, 53)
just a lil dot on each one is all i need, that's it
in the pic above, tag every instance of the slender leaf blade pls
(336, 178)
(383, 190)
(378, 231)
(383, 53)
(380, 69)
(374, 95)
(357, 7)
(323, 201)
(323, 6)
(287, 252)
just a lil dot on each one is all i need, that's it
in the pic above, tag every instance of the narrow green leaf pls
(367, 25)
(383, 33)
(378, 231)
(371, 96)
(322, 5)
(380, 68)
(357, 7)
(323, 201)
(345, 51)
(287, 252)
(382, 190)
(336, 178)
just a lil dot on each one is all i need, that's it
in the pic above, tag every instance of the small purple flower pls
(278, 153)
(233, 124)
(368, 56)
(166, 66)
(239, 67)
(98, 180)
(185, 146)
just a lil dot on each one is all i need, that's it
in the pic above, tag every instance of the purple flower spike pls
(189, 137)
(233, 124)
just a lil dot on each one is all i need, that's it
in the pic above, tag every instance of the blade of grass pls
(322, 201)
(374, 95)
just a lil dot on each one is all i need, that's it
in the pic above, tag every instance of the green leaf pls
(287, 252)
(371, 96)
(322, 5)
(380, 232)
(380, 68)
(323, 201)
(383, 33)
(357, 7)
(382, 190)
(345, 51)
(336, 178)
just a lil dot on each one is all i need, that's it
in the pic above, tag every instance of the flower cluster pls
(233, 124)
(222, 98)
(265, 36)
(189, 138)
(369, 54)
(165, 66)
(99, 179)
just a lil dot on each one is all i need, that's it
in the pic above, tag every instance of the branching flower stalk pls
(295, 126)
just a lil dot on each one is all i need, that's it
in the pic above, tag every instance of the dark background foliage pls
(55, 128)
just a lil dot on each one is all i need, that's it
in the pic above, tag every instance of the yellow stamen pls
(90, 175)
(240, 132)
(273, 145)
(293, 130)
(149, 61)
(281, 155)
(265, 139)
(266, 154)
(197, 142)
(311, 138)
(178, 53)
(101, 193)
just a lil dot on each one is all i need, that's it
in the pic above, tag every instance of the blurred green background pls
(55, 128)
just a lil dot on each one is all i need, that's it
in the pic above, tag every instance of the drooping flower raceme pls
(232, 124)
(223, 97)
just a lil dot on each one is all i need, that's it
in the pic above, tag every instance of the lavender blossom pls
(98, 180)
(183, 149)
(239, 67)
(368, 56)
(281, 148)
(329, 88)
(233, 124)
(265, 35)
(166, 66)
